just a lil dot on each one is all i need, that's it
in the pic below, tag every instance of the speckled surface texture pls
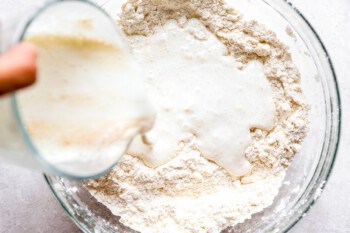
(27, 205)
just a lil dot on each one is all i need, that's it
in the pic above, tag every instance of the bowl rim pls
(321, 182)
(312, 195)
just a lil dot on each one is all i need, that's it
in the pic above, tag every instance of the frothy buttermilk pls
(201, 98)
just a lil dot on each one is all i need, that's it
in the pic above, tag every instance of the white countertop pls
(27, 205)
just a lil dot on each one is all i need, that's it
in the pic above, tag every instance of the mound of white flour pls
(190, 193)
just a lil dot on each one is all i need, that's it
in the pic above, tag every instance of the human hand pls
(17, 67)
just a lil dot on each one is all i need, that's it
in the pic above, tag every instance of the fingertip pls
(18, 67)
(25, 54)
(28, 48)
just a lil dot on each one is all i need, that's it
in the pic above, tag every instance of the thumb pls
(17, 67)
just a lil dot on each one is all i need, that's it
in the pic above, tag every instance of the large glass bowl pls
(311, 167)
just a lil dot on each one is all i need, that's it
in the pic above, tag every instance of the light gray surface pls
(26, 204)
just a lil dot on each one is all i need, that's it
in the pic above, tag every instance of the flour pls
(191, 193)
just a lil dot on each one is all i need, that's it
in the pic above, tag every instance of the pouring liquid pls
(89, 100)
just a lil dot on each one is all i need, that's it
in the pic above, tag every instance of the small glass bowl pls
(16, 144)
(310, 169)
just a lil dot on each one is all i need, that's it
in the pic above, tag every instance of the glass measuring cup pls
(74, 18)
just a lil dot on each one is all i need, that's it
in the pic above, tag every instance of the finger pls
(17, 67)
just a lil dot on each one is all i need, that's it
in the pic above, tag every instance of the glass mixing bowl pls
(310, 169)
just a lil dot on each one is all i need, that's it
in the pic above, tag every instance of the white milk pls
(201, 98)
(86, 103)
(89, 100)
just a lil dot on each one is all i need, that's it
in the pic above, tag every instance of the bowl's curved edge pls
(338, 126)
(70, 215)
